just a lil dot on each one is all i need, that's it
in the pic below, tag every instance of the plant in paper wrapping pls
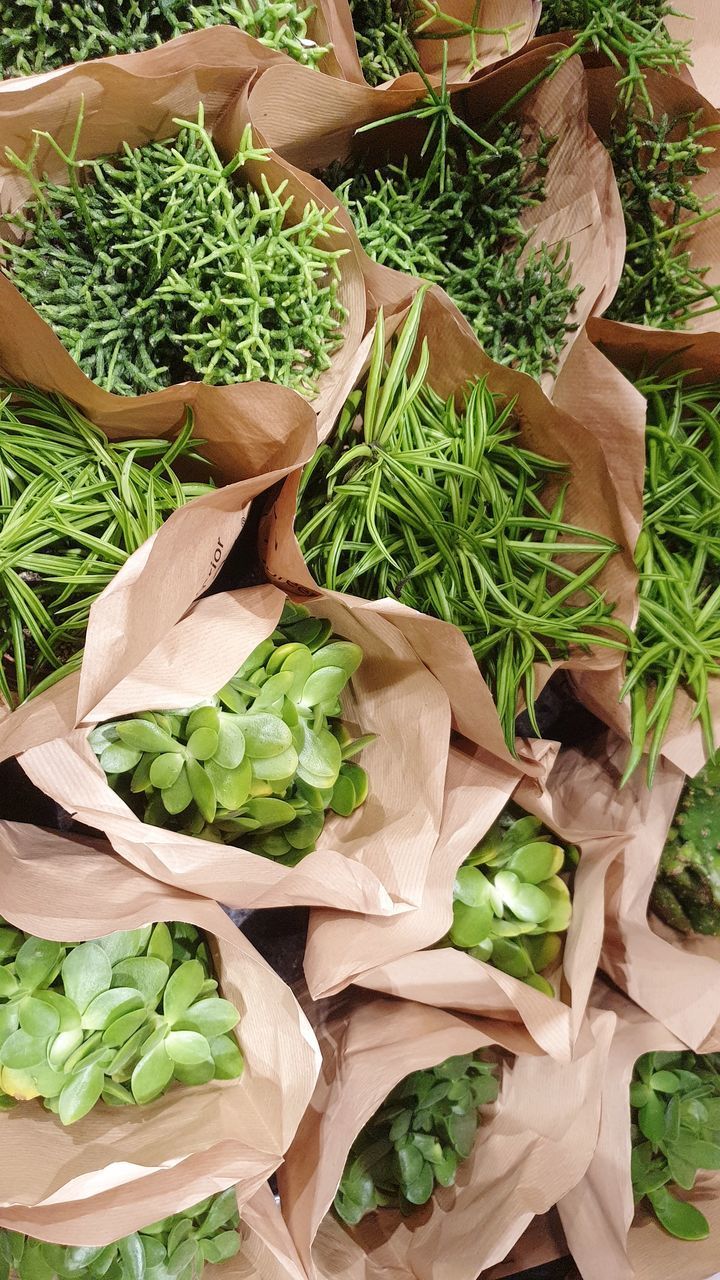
(118, 1019)
(418, 1138)
(66, 31)
(179, 1246)
(510, 905)
(675, 1098)
(686, 893)
(263, 762)
(387, 32)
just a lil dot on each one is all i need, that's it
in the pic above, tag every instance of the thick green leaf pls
(203, 791)
(36, 962)
(141, 735)
(118, 758)
(177, 797)
(536, 861)
(651, 1119)
(160, 944)
(110, 1005)
(21, 1050)
(132, 1256)
(146, 973)
(80, 1094)
(470, 924)
(152, 1075)
(265, 735)
(124, 943)
(183, 989)
(187, 1047)
(165, 769)
(210, 1017)
(526, 901)
(227, 1057)
(681, 1220)
(86, 971)
(38, 1018)
(223, 1246)
(203, 743)
(230, 750)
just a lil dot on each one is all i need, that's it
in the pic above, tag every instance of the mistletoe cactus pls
(510, 905)
(425, 1129)
(260, 763)
(177, 1247)
(118, 1019)
(687, 888)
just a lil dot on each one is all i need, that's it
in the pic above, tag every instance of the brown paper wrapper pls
(610, 348)
(543, 1242)
(606, 461)
(703, 33)
(135, 99)
(311, 124)
(375, 861)
(120, 1168)
(638, 946)
(605, 1235)
(473, 1225)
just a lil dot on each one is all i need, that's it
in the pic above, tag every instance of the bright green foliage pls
(687, 888)
(435, 503)
(37, 35)
(73, 507)
(161, 263)
(655, 159)
(178, 1247)
(677, 642)
(421, 1134)
(455, 221)
(675, 1101)
(118, 1019)
(261, 763)
(387, 32)
(510, 905)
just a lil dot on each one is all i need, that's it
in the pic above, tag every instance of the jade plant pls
(117, 1019)
(675, 1130)
(510, 904)
(259, 764)
(179, 1247)
(417, 1140)
(686, 893)
(165, 263)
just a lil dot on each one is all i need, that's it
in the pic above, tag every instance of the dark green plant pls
(162, 263)
(455, 220)
(510, 905)
(675, 1107)
(416, 1141)
(73, 506)
(687, 888)
(435, 503)
(677, 640)
(118, 1019)
(387, 33)
(179, 1247)
(38, 35)
(262, 762)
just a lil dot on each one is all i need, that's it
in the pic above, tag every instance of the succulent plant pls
(675, 1101)
(421, 1134)
(118, 1019)
(510, 905)
(686, 893)
(260, 763)
(177, 1248)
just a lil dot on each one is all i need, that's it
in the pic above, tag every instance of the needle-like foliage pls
(387, 32)
(37, 35)
(163, 263)
(73, 506)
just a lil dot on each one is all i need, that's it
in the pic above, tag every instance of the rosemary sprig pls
(65, 31)
(161, 264)
(436, 504)
(73, 507)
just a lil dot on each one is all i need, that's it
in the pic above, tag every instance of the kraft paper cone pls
(120, 1168)
(135, 99)
(638, 946)
(398, 956)
(375, 861)
(631, 348)
(702, 31)
(606, 465)
(311, 125)
(605, 1235)
(543, 1242)
(527, 1152)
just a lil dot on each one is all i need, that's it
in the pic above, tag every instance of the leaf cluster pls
(176, 1248)
(677, 639)
(65, 31)
(435, 503)
(416, 1141)
(387, 32)
(117, 1019)
(163, 263)
(263, 761)
(686, 892)
(675, 1101)
(455, 220)
(73, 506)
(510, 905)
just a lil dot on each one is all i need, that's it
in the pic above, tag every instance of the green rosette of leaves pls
(177, 1248)
(263, 761)
(510, 904)
(675, 1102)
(117, 1019)
(417, 1140)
